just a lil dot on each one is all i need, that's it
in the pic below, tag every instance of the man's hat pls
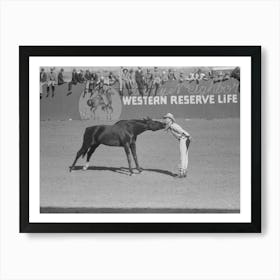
(169, 116)
(125, 69)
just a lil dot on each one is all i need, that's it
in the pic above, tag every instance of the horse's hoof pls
(85, 168)
(140, 170)
(131, 174)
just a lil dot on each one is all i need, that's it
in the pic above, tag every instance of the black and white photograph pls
(140, 139)
(138, 135)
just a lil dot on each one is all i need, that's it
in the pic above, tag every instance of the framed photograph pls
(140, 139)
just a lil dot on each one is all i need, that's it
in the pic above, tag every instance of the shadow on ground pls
(124, 170)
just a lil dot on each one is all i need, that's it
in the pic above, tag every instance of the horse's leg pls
(89, 154)
(133, 150)
(128, 155)
(82, 151)
(187, 157)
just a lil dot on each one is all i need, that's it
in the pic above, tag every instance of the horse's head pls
(154, 125)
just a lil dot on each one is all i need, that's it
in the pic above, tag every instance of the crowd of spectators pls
(145, 81)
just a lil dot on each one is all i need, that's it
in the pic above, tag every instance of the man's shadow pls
(124, 170)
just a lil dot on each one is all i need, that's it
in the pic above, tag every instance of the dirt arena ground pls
(212, 184)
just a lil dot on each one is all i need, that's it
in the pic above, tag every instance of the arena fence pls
(205, 100)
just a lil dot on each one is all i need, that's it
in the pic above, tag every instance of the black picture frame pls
(25, 52)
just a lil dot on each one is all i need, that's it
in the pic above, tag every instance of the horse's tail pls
(86, 145)
(86, 141)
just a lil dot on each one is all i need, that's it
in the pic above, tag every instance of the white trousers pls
(41, 86)
(184, 154)
(87, 84)
(51, 83)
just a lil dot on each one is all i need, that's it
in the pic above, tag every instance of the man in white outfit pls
(184, 141)
(51, 82)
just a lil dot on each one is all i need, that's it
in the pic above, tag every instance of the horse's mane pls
(143, 121)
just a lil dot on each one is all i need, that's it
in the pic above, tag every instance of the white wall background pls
(124, 256)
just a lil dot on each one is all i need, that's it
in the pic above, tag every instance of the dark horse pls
(122, 134)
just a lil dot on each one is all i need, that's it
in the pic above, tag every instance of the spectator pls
(156, 80)
(164, 77)
(87, 75)
(139, 78)
(101, 86)
(197, 75)
(210, 75)
(95, 77)
(93, 82)
(87, 80)
(43, 80)
(148, 82)
(126, 81)
(181, 77)
(193, 77)
(60, 77)
(132, 79)
(81, 78)
(112, 78)
(171, 75)
(51, 82)
(235, 74)
(106, 80)
(74, 80)
(203, 77)
(219, 78)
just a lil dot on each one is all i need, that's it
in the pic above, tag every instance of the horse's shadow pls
(124, 170)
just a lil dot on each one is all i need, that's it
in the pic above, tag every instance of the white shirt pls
(177, 131)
